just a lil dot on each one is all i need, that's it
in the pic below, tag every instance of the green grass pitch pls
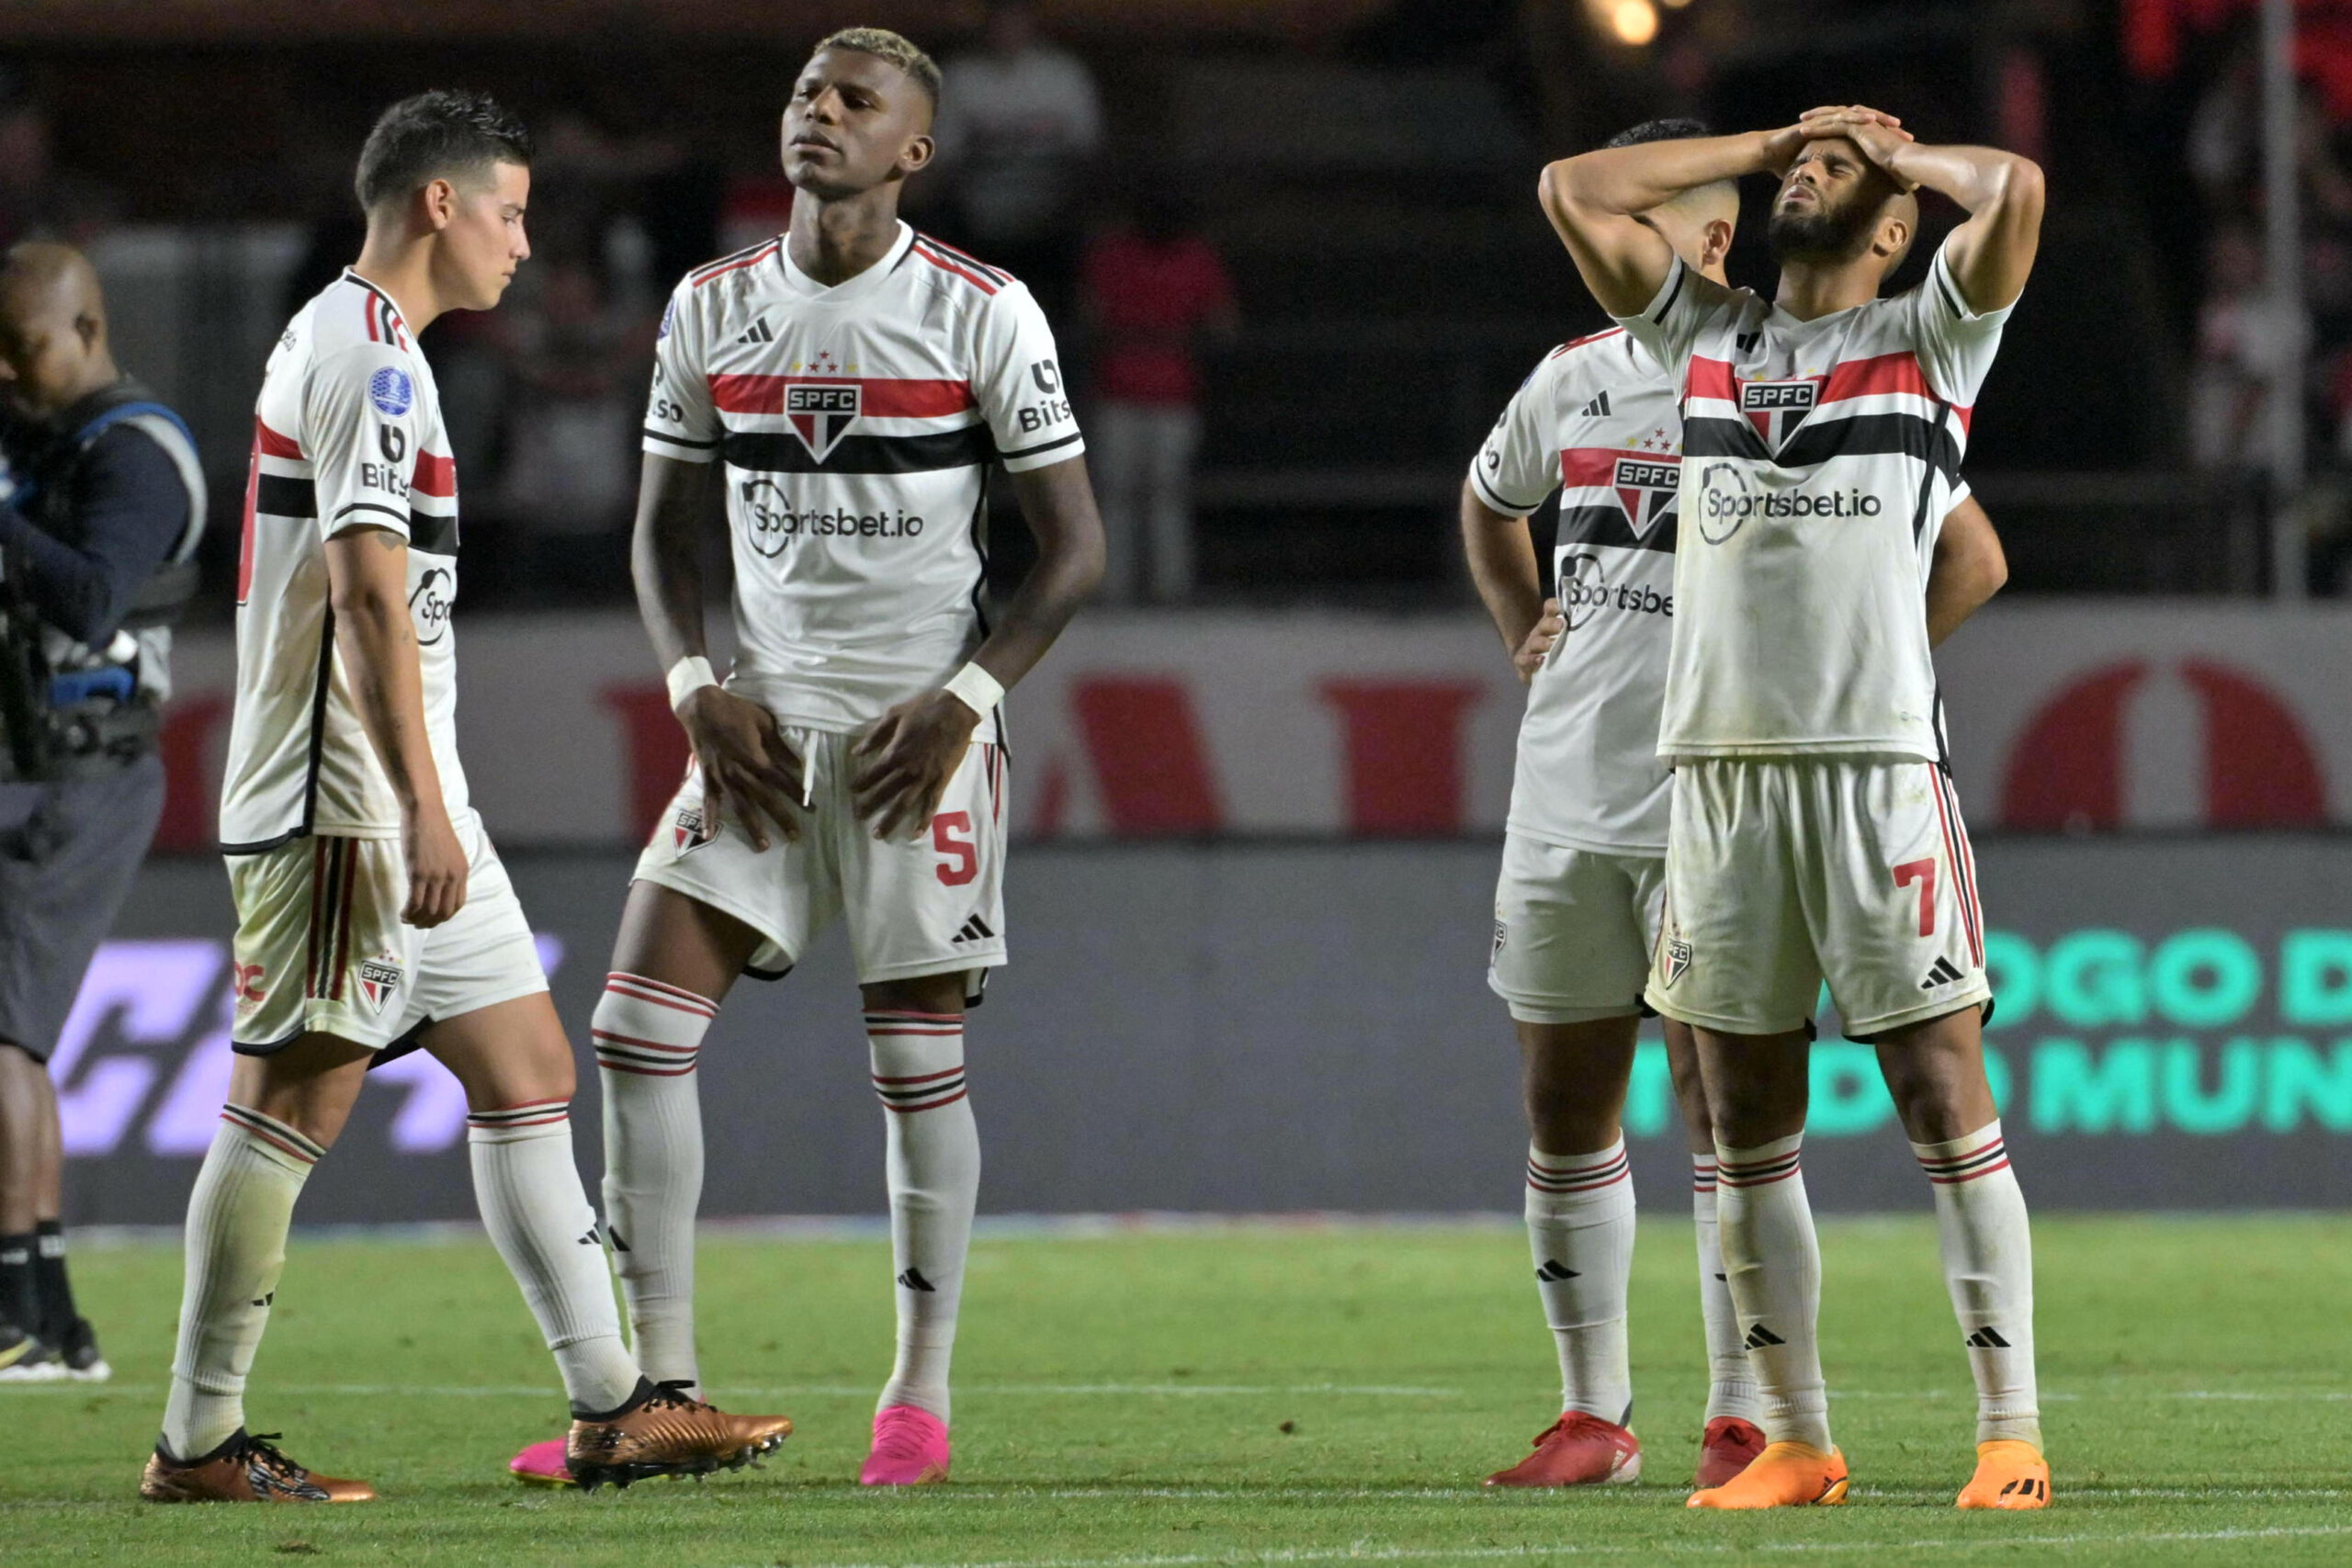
(1247, 1395)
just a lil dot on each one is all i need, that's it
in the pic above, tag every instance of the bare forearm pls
(1974, 177)
(665, 559)
(1503, 567)
(1621, 181)
(1059, 504)
(376, 639)
(1968, 569)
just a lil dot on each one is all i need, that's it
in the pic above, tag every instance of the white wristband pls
(975, 689)
(689, 676)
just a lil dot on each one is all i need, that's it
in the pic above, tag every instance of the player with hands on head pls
(1815, 832)
(1577, 905)
(372, 912)
(845, 388)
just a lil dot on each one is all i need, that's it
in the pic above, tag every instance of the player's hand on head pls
(902, 765)
(437, 869)
(749, 770)
(1550, 627)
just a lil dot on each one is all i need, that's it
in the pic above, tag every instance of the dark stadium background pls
(1260, 825)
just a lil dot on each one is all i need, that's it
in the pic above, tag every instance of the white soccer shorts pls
(1782, 872)
(321, 947)
(930, 903)
(1573, 931)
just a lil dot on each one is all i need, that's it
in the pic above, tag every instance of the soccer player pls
(844, 387)
(370, 907)
(1584, 859)
(1813, 833)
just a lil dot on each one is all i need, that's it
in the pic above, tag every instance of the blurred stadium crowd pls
(1290, 246)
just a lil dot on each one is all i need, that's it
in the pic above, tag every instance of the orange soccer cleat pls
(1785, 1475)
(245, 1469)
(2009, 1474)
(667, 1433)
(1576, 1451)
(1729, 1447)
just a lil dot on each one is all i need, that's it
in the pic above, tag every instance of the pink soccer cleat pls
(910, 1448)
(542, 1465)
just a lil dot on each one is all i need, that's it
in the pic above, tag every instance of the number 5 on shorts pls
(960, 859)
(1922, 872)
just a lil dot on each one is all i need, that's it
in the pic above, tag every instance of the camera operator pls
(104, 499)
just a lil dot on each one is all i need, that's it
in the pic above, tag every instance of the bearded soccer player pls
(1815, 834)
(371, 908)
(845, 387)
(1584, 860)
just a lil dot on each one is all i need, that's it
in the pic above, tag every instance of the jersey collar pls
(865, 283)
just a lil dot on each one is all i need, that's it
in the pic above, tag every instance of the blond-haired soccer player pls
(371, 910)
(844, 387)
(1814, 833)
(1577, 905)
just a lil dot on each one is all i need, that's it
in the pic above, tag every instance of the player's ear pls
(1893, 239)
(437, 201)
(916, 154)
(1715, 242)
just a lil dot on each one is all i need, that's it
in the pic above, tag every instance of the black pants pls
(68, 852)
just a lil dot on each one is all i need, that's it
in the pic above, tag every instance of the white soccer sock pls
(1581, 1230)
(934, 1169)
(1988, 1267)
(528, 1190)
(1772, 1263)
(237, 1218)
(1731, 1388)
(649, 1037)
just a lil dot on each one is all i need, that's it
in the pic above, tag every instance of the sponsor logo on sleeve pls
(390, 390)
(430, 603)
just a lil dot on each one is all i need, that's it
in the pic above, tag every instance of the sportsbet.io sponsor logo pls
(771, 522)
(1728, 497)
(429, 605)
(1584, 592)
(2105, 1033)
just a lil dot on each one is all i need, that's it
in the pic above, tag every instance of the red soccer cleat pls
(910, 1450)
(1576, 1451)
(1726, 1450)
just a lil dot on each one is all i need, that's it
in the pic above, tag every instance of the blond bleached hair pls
(892, 49)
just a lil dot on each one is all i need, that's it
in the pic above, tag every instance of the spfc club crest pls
(688, 833)
(1678, 959)
(822, 412)
(1777, 408)
(378, 979)
(1646, 488)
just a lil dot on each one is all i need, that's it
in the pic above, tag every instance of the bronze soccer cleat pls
(245, 1469)
(668, 1433)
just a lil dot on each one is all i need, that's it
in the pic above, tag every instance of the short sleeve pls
(1956, 346)
(1960, 492)
(1019, 384)
(1514, 472)
(1669, 325)
(681, 421)
(362, 420)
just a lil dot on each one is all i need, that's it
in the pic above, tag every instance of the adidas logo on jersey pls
(1597, 408)
(975, 930)
(1944, 974)
(758, 332)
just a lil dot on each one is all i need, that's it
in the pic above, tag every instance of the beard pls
(1826, 233)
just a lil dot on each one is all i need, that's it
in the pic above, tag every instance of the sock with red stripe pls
(1580, 1229)
(528, 1189)
(649, 1037)
(1731, 1389)
(238, 1214)
(934, 1170)
(1988, 1267)
(1773, 1265)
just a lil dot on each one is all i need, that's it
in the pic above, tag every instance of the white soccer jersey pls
(1598, 420)
(856, 424)
(1819, 460)
(346, 434)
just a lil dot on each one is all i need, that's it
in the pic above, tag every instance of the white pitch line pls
(1361, 1552)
